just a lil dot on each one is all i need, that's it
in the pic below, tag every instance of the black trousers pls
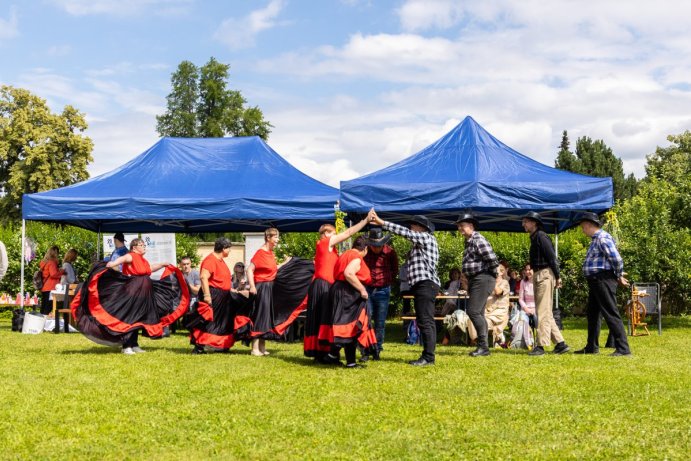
(46, 303)
(479, 288)
(130, 339)
(425, 293)
(602, 291)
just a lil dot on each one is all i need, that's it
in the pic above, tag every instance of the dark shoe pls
(479, 353)
(538, 350)
(198, 350)
(586, 351)
(620, 354)
(421, 363)
(354, 365)
(561, 348)
(364, 359)
(376, 354)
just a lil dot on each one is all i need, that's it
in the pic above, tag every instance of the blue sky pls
(353, 86)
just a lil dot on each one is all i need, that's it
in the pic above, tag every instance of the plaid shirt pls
(602, 256)
(423, 257)
(383, 266)
(478, 256)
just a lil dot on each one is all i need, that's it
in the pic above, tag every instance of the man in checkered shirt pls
(603, 269)
(422, 278)
(480, 266)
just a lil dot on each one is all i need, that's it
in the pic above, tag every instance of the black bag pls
(38, 280)
(17, 319)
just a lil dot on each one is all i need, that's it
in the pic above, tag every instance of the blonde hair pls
(70, 256)
(135, 242)
(51, 254)
(270, 232)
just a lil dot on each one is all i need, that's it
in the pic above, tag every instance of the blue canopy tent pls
(192, 185)
(469, 169)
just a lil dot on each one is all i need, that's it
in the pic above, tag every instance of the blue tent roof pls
(192, 185)
(469, 169)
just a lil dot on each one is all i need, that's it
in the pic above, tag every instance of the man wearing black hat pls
(382, 262)
(603, 268)
(480, 267)
(422, 278)
(543, 261)
(120, 248)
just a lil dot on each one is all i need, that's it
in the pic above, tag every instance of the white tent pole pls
(556, 250)
(21, 283)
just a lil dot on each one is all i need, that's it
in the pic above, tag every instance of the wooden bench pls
(66, 312)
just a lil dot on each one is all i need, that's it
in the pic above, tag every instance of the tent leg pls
(556, 251)
(21, 283)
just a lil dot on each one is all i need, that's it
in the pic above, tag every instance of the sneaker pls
(586, 351)
(354, 365)
(128, 351)
(561, 348)
(138, 349)
(479, 352)
(364, 358)
(620, 354)
(539, 350)
(198, 349)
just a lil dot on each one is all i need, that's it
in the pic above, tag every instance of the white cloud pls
(123, 7)
(239, 33)
(9, 28)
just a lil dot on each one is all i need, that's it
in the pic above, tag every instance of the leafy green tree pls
(201, 105)
(39, 150)
(672, 166)
(595, 158)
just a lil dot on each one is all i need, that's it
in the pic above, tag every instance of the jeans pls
(377, 309)
(425, 293)
(479, 288)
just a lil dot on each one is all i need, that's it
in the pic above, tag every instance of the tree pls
(672, 166)
(594, 158)
(201, 105)
(39, 150)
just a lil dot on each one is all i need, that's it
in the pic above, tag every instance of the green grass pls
(63, 397)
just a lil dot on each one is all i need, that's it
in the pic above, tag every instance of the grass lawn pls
(63, 397)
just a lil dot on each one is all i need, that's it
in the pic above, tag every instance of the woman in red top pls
(112, 306)
(325, 258)
(213, 323)
(348, 300)
(280, 292)
(51, 277)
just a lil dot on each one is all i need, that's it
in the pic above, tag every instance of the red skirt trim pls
(209, 339)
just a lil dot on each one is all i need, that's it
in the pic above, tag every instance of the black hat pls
(589, 216)
(535, 217)
(376, 238)
(468, 217)
(119, 236)
(422, 221)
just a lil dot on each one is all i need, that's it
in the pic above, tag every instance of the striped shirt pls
(423, 257)
(478, 256)
(602, 256)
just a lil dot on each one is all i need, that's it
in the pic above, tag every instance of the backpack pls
(413, 333)
(38, 279)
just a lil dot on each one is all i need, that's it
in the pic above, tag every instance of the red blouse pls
(363, 274)
(325, 261)
(219, 272)
(50, 273)
(138, 266)
(265, 268)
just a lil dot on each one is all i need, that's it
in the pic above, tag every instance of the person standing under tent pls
(51, 277)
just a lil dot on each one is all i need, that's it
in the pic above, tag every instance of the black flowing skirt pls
(317, 313)
(349, 320)
(214, 325)
(110, 304)
(279, 302)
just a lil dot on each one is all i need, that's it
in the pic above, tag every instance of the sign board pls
(109, 243)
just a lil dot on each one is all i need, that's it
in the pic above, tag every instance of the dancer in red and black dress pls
(280, 293)
(348, 299)
(325, 258)
(213, 323)
(112, 307)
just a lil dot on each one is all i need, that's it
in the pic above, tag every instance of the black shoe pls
(561, 348)
(479, 353)
(364, 359)
(420, 362)
(198, 350)
(376, 354)
(354, 365)
(585, 350)
(537, 350)
(620, 354)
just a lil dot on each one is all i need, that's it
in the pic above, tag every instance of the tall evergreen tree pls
(201, 105)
